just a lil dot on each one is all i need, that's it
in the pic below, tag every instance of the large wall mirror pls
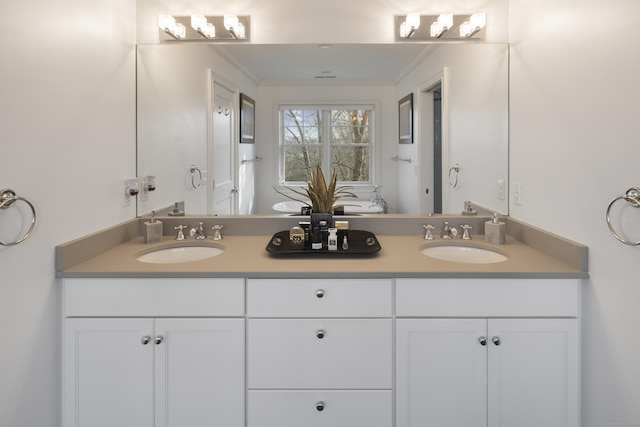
(188, 101)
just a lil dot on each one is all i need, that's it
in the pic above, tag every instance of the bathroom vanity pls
(245, 339)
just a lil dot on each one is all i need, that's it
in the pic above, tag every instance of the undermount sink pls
(177, 254)
(471, 253)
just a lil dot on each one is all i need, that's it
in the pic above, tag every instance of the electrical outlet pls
(517, 193)
(500, 189)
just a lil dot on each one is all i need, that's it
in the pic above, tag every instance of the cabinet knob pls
(145, 340)
(320, 293)
(320, 406)
(482, 340)
(320, 334)
(158, 339)
(496, 340)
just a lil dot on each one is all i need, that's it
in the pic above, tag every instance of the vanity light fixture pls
(202, 26)
(168, 24)
(441, 25)
(410, 25)
(234, 26)
(476, 22)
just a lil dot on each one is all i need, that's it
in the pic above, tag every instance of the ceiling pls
(370, 63)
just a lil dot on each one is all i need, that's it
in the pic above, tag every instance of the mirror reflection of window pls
(336, 137)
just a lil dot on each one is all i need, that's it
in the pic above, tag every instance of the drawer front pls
(487, 297)
(153, 297)
(319, 298)
(310, 408)
(319, 353)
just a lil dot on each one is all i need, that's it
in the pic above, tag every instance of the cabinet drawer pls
(301, 408)
(114, 297)
(319, 353)
(319, 298)
(487, 297)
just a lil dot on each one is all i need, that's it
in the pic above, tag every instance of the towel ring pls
(7, 199)
(195, 171)
(455, 168)
(632, 196)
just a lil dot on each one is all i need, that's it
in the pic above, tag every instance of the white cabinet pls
(319, 353)
(477, 372)
(169, 372)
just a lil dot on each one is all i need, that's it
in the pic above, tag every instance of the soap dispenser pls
(495, 231)
(152, 229)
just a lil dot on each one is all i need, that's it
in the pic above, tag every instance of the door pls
(200, 372)
(533, 372)
(441, 373)
(108, 376)
(223, 151)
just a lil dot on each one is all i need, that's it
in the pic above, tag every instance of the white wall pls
(574, 146)
(67, 115)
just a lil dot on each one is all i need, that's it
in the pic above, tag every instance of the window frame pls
(326, 147)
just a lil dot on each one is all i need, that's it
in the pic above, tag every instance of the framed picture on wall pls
(405, 119)
(247, 119)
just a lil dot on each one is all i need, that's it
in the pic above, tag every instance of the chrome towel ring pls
(632, 196)
(196, 177)
(453, 180)
(7, 199)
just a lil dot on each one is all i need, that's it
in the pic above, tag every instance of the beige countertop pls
(246, 256)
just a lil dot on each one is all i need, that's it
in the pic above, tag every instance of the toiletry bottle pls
(332, 242)
(152, 230)
(316, 238)
(495, 231)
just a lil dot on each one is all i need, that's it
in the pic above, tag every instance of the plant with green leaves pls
(323, 197)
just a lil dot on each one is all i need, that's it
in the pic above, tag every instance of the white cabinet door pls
(200, 372)
(441, 373)
(533, 372)
(108, 378)
(526, 374)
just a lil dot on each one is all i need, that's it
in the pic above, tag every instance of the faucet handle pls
(429, 228)
(216, 232)
(465, 232)
(180, 235)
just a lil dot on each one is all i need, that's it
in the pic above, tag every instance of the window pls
(338, 138)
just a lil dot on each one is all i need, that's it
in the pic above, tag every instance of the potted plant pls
(323, 197)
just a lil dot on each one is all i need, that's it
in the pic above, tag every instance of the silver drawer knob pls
(496, 340)
(145, 340)
(158, 339)
(320, 334)
(482, 340)
(320, 293)
(320, 406)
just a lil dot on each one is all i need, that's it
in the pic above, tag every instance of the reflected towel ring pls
(632, 196)
(194, 170)
(455, 168)
(7, 199)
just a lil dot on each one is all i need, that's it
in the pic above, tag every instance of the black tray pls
(360, 243)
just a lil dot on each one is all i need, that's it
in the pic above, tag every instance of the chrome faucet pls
(199, 232)
(448, 232)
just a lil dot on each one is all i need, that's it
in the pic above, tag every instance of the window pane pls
(298, 162)
(350, 127)
(351, 163)
(301, 127)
